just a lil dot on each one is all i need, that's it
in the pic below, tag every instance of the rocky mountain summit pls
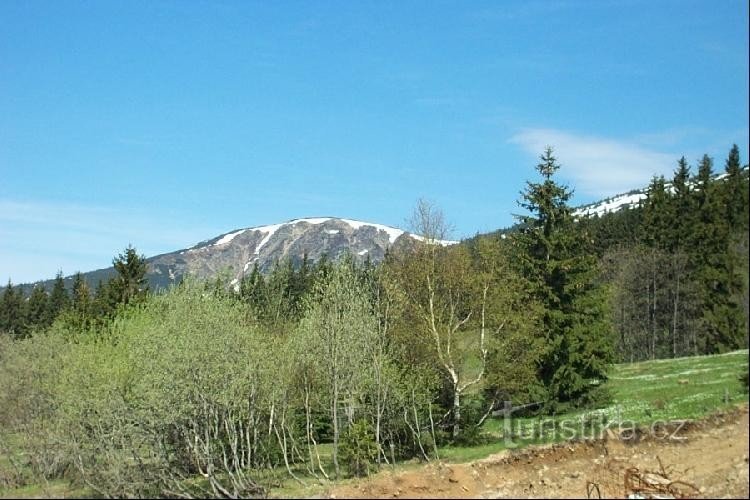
(237, 252)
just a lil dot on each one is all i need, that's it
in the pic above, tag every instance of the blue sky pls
(165, 123)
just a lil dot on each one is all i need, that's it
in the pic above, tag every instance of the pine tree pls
(681, 208)
(736, 192)
(130, 284)
(735, 195)
(12, 318)
(279, 288)
(59, 300)
(555, 257)
(716, 267)
(658, 222)
(104, 302)
(304, 280)
(253, 291)
(81, 304)
(38, 308)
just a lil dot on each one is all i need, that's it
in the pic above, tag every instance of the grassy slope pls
(684, 388)
(643, 393)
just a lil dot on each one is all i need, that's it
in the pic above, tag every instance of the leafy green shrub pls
(29, 406)
(167, 392)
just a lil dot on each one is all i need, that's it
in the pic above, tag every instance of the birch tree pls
(448, 301)
(340, 329)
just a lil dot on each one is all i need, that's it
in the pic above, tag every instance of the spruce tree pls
(561, 268)
(104, 302)
(253, 291)
(59, 300)
(130, 284)
(658, 222)
(681, 208)
(12, 318)
(736, 192)
(38, 308)
(81, 304)
(716, 267)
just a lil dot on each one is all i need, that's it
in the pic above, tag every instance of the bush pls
(167, 390)
(358, 449)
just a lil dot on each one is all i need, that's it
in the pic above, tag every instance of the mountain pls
(236, 252)
(631, 199)
(612, 204)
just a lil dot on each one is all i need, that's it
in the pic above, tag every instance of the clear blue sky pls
(164, 123)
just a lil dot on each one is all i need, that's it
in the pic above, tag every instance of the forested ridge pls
(330, 369)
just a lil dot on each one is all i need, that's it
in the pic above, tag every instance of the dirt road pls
(713, 456)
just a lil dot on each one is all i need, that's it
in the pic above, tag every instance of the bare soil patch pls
(713, 456)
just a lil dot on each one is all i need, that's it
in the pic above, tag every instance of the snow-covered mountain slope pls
(613, 204)
(631, 199)
(238, 251)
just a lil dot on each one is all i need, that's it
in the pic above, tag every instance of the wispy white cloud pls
(597, 166)
(39, 238)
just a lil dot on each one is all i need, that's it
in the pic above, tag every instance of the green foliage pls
(340, 335)
(136, 408)
(37, 308)
(130, 283)
(358, 450)
(678, 264)
(12, 314)
(201, 391)
(553, 254)
(59, 299)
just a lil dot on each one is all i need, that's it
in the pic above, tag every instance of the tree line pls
(677, 263)
(80, 307)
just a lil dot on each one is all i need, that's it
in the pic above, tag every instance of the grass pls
(642, 393)
(53, 489)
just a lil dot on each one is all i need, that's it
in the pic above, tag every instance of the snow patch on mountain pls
(270, 230)
(393, 233)
(229, 237)
(610, 205)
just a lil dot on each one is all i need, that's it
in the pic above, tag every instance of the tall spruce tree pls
(658, 222)
(59, 300)
(12, 317)
(716, 267)
(130, 284)
(104, 301)
(253, 291)
(736, 192)
(37, 310)
(81, 311)
(556, 258)
(681, 208)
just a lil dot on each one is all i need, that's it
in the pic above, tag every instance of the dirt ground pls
(713, 456)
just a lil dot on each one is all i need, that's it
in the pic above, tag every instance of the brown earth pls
(713, 456)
